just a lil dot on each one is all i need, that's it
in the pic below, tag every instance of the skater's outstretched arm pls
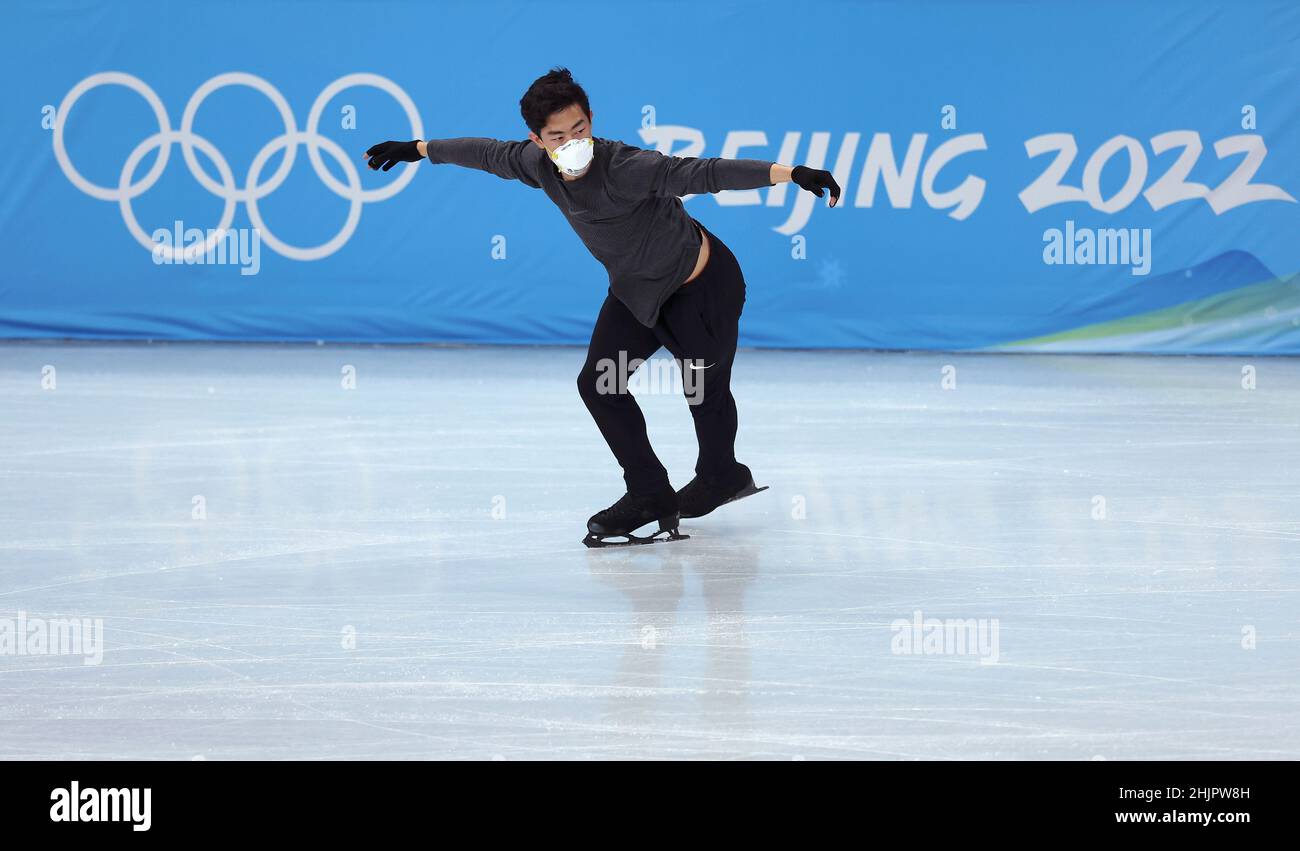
(815, 180)
(507, 160)
(638, 173)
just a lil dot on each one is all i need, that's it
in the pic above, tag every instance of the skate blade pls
(748, 490)
(600, 541)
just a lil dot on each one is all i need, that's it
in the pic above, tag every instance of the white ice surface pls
(767, 634)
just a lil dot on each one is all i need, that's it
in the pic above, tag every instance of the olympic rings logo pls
(252, 191)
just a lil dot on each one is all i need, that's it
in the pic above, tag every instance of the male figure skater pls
(672, 283)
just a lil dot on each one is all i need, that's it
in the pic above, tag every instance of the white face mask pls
(574, 155)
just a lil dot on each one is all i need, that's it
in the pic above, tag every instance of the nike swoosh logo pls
(693, 366)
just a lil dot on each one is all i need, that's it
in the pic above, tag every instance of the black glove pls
(389, 154)
(815, 180)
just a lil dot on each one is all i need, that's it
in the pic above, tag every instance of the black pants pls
(698, 325)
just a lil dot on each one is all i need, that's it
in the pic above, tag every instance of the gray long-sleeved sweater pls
(626, 208)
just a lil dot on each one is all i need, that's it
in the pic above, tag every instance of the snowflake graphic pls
(830, 275)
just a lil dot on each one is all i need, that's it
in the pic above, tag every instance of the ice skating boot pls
(630, 513)
(703, 495)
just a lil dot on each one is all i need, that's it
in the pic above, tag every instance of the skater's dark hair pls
(553, 91)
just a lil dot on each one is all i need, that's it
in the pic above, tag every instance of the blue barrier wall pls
(992, 154)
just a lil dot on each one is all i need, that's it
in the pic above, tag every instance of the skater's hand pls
(815, 180)
(385, 155)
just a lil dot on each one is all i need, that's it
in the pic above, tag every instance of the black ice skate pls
(630, 513)
(702, 496)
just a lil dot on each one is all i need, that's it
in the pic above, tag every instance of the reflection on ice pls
(287, 568)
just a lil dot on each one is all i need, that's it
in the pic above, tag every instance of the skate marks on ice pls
(393, 571)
